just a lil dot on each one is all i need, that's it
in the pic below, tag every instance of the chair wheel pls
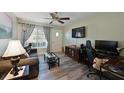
(88, 75)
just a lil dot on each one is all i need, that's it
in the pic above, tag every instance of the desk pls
(115, 67)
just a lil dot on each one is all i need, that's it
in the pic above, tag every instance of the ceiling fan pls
(55, 17)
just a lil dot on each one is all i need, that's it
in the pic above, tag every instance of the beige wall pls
(101, 26)
(4, 42)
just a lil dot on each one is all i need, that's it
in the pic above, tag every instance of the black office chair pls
(91, 54)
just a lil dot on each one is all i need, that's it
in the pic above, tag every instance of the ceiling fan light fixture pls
(55, 17)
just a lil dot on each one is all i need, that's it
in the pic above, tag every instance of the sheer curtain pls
(27, 31)
(47, 35)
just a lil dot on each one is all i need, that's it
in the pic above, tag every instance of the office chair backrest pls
(90, 52)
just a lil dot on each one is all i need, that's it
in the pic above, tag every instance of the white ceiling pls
(39, 16)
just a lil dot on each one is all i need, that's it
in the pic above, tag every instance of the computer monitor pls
(106, 45)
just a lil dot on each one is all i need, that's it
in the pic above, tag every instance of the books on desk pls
(114, 68)
(121, 65)
(119, 68)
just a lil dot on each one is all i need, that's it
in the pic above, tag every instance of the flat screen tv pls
(106, 45)
(78, 32)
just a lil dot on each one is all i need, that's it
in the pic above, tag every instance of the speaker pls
(82, 53)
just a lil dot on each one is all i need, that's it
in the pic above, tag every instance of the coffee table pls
(51, 58)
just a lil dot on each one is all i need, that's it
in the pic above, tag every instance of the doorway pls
(56, 40)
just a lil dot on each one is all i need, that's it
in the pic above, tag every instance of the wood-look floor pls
(68, 70)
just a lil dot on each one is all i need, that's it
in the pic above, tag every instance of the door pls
(56, 40)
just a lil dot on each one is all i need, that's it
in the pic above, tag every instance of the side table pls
(20, 75)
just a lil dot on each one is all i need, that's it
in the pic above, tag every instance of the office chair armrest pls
(120, 51)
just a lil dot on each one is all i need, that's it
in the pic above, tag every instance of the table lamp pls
(14, 50)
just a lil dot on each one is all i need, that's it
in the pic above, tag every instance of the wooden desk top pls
(116, 60)
(115, 65)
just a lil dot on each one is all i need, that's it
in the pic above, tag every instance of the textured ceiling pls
(39, 16)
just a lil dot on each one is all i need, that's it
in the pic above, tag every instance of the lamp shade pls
(14, 49)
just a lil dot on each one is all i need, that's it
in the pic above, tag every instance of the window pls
(37, 38)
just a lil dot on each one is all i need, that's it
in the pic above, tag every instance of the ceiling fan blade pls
(53, 15)
(47, 18)
(61, 21)
(65, 18)
(56, 13)
(51, 22)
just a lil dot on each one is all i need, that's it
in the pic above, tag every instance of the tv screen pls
(106, 45)
(78, 32)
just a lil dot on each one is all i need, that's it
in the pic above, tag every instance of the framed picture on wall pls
(5, 26)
